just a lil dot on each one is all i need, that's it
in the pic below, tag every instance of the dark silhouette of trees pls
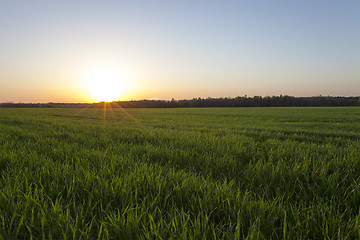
(240, 101)
(256, 101)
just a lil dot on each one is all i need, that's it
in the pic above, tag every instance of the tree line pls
(240, 101)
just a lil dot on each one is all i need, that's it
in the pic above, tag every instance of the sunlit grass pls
(232, 173)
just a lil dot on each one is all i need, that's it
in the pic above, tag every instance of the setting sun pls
(105, 84)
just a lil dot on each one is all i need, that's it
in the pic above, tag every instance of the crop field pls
(205, 173)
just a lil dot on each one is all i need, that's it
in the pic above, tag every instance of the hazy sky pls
(183, 49)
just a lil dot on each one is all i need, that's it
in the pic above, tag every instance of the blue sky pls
(179, 49)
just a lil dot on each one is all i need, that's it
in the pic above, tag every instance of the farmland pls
(200, 173)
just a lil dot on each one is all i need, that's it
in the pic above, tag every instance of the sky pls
(82, 51)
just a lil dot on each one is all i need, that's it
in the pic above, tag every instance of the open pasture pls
(209, 173)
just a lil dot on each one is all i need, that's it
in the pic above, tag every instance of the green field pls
(211, 173)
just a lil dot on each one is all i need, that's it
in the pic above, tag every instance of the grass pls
(216, 173)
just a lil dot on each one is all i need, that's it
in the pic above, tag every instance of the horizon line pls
(184, 99)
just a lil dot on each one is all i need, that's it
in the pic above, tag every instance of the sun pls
(105, 84)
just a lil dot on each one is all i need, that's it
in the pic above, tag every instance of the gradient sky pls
(179, 49)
